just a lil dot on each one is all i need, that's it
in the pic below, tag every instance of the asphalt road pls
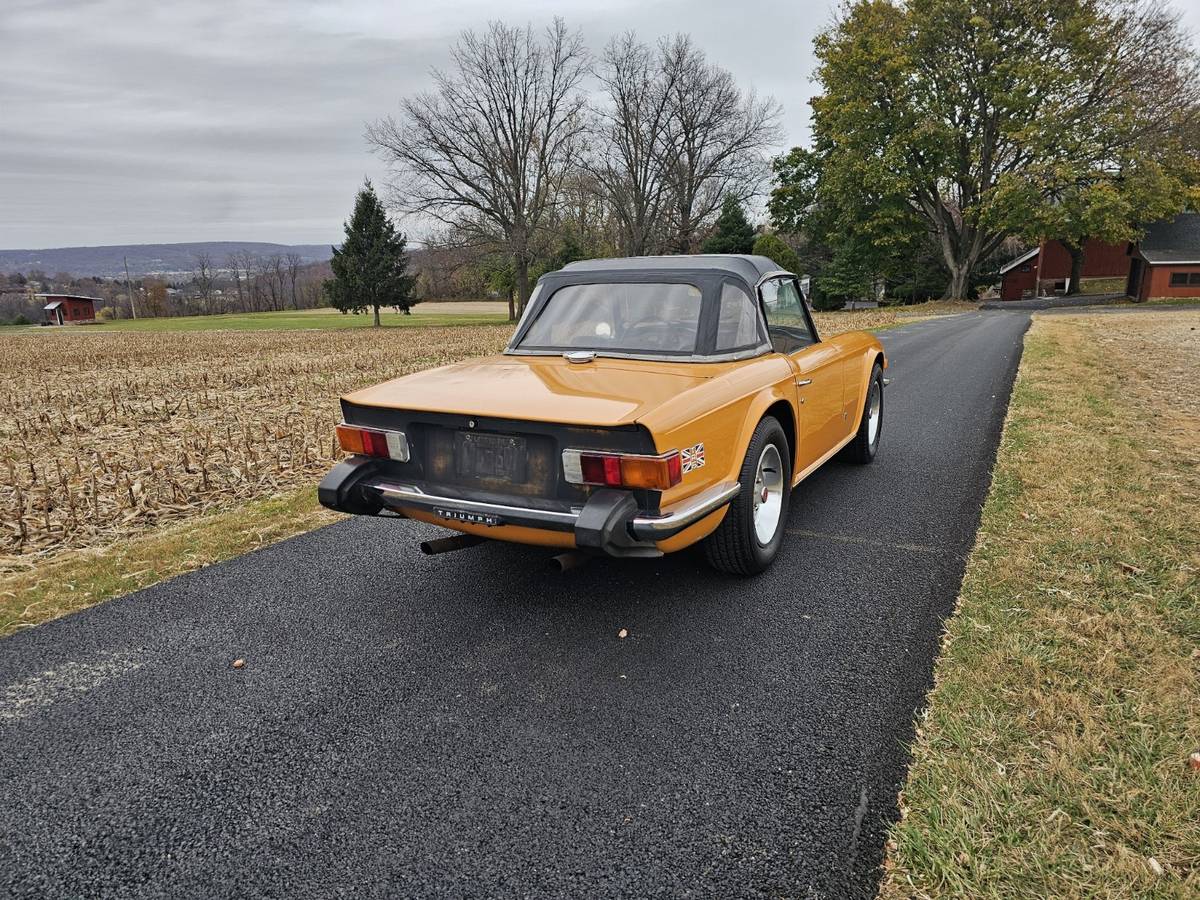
(471, 725)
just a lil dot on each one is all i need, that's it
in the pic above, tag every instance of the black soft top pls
(744, 266)
(708, 272)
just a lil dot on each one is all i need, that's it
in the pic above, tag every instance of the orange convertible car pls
(642, 405)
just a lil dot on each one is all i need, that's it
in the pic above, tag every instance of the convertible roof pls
(749, 268)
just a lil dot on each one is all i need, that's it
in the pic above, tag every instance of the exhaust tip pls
(572, 559)
(447, 544)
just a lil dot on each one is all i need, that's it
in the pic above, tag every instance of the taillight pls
(370, 442)
(623, 469)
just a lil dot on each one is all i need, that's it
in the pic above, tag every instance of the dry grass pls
(103, 436)
(1053, 758)
(831, 323)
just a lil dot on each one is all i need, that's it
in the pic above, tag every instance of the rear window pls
(621, 318)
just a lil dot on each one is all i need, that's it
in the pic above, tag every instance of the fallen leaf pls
(623, 633)
(1194, 761)
(1155, 866)
(238, 663)
(1132, 570)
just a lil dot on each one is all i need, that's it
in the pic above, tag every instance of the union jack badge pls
(692, 457)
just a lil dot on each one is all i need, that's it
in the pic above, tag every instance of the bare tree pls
(204, 276)
(630, 156)
(273, 273)
(292, 263)
(716, 140)
(234, 265)
(487, 148)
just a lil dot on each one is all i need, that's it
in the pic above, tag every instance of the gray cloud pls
(128, 121)
(133, 120)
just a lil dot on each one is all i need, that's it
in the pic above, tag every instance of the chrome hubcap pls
(768, 494)
(875, 405)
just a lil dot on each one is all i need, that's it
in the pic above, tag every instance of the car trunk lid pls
(602, 392)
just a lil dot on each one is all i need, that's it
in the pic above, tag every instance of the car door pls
(816, 367)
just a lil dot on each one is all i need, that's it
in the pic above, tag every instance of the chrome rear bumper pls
(609, 521)
(641, 527)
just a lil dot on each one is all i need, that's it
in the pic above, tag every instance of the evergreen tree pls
(370, 269)
(734, 233)
(773, 248)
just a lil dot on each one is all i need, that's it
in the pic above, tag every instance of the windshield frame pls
(709, 283)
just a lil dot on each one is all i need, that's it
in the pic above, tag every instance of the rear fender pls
(759, 407)
(725, 433)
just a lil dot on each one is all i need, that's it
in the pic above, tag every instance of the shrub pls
(773, 248)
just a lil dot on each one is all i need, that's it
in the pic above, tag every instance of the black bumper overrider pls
(609, 522)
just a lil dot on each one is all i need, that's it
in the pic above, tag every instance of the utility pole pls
(129, 287)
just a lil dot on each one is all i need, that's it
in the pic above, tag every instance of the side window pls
(787, 321)
(1179, 279)
(737, 325)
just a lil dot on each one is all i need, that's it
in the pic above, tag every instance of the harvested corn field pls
(104, 436)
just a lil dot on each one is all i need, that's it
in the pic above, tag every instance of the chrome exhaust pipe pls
(570, 560)
(447, 544)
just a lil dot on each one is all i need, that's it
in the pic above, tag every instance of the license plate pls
(500, 457)
(458, 515)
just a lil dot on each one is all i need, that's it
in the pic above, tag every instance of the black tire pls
(862, 449)
(735, 546)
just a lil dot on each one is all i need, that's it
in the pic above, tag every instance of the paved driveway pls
(471, 724)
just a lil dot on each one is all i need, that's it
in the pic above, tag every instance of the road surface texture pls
(471, 725)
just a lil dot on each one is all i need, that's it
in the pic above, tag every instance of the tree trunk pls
(521, 270)
(1076, 253)
(512, 306)
(960, 277)
(377, 323)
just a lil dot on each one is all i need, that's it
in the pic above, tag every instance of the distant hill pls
(144, 259)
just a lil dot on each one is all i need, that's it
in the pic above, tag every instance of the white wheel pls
(874, 411)
(748, 538)
(866, 441)
(768, 494)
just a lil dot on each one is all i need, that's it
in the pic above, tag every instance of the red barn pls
(1046, 268)
(69, 309)
(1166, 262)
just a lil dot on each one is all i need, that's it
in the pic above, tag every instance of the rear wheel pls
(866, 442)
(748, 538)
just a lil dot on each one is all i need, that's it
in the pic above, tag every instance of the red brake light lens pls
(374, 443)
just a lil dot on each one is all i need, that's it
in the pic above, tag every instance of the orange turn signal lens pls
(350, 439)
(651, 473)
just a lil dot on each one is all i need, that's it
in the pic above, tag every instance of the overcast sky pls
(147, 121)
(144, 121)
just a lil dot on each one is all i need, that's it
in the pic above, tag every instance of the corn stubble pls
(104, 436)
